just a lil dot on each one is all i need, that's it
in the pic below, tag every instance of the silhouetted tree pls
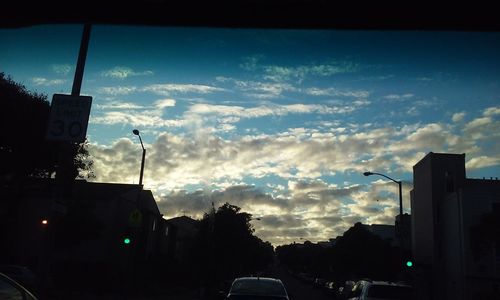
(226, 247)
(362, 254)
(358, 253)
(24, 151)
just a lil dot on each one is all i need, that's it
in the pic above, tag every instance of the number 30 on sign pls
(69, 118)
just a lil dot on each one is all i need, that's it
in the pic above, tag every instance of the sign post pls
(69, 115)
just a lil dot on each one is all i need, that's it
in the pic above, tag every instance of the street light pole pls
(396, 181)
(136, 132)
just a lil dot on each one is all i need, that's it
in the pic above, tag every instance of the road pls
(298, 289)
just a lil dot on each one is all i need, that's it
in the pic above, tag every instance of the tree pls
(226, 247)
(24, 151)
(360, 253)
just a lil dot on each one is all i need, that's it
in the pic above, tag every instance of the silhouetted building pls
(445, 206)
(383, 231)
(325, 244)
(89, 229)
(403, 231)
(183, 231)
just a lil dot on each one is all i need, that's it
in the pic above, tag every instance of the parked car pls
(13, 290)
(331, 288)
(344, 291)
(367, 289)
(256, 288)
(319, 282)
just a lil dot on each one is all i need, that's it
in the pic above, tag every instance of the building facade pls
(446, 206)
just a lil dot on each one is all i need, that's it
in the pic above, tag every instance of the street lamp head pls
(135, 131)
(367, 173)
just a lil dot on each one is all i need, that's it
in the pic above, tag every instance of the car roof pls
(380, 282)
(258, 278)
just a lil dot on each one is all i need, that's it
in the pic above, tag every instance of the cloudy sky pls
(279, 122)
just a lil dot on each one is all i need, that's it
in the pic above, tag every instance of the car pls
(319, 282)
(13, 290)
(256, 288)
(330, 288)
(345, 289)
(368, 289)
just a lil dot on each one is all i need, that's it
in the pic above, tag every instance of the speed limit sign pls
(69, 117)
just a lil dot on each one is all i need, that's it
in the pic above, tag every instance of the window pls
(450, 187)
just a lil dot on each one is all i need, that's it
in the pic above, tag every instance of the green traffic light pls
(126, 241)
(409, 263)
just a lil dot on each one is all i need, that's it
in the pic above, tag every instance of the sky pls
(281, 123)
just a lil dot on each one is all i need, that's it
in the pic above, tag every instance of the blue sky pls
(279, 122)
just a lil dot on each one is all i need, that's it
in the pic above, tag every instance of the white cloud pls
(146, 118)
(251, 63)
(491, 111)
(117, 90)
(160, 104)
(269, 110)
(284, 73)
(168, 89)
(482, 162)
(478, 123)
(123, 72)
(457, 117)
(397, 97)
(264, 89)
(47, 82)
(336, 92)
(61, 69)
(281, 73)
(118, 105)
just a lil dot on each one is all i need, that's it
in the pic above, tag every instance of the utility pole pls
(65, 172)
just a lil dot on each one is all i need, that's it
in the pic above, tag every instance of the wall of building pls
(434, 176)
(445, 206)
(449, 259)
(483, 273)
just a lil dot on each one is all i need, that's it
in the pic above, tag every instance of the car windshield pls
(390, 292)
(258, 287)
(147, 161)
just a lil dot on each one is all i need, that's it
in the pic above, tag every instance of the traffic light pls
(44, 222)
(409, 263)
(127, 236)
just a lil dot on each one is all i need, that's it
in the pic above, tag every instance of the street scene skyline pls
(281, 123)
